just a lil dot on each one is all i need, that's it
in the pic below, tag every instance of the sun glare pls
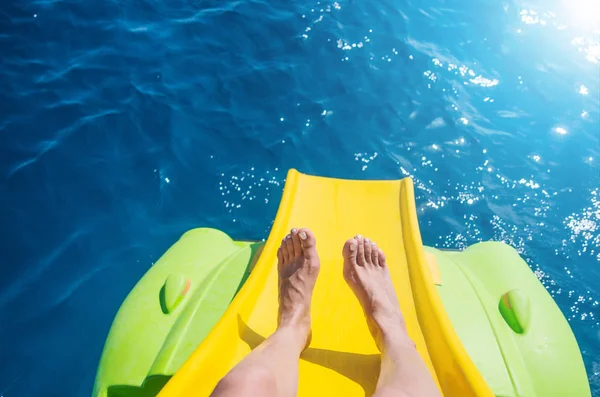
(584, 13)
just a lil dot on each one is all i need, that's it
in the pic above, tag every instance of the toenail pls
(358, 236)
(288, 237)
(367, 240)
(294, 231)
(352, 247)
(374, 245)
(303, 235)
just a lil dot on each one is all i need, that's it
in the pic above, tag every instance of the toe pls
(280, 255)
(296, 243)
(349, 251)
(381, 258)
(360, 252)
(368, 249)
(289, 244)
(374, 254)
(284, 251)
(308, 242)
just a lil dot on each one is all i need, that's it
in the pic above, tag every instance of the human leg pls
(271, 370)
(403, 372)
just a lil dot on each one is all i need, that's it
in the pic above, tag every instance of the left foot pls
(298, 267)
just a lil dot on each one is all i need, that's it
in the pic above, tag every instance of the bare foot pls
(366, 272)
(298, 267)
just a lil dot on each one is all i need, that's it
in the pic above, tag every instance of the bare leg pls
(271, 369)
(403, 372)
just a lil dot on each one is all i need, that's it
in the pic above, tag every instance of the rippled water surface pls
(123, 124)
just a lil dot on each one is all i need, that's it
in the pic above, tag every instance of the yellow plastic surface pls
(436, 276)
(342, 359)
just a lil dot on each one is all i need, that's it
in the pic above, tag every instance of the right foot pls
(366, 272)
(298, 267)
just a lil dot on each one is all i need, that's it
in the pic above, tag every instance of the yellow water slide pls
(342, 359)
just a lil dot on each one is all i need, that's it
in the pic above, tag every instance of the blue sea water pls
(124, 124)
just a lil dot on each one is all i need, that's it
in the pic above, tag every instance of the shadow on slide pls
(360, 368)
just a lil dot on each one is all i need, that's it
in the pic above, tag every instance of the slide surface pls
(342, 359)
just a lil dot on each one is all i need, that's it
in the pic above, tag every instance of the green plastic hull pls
(509, 324)
(170, 311)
